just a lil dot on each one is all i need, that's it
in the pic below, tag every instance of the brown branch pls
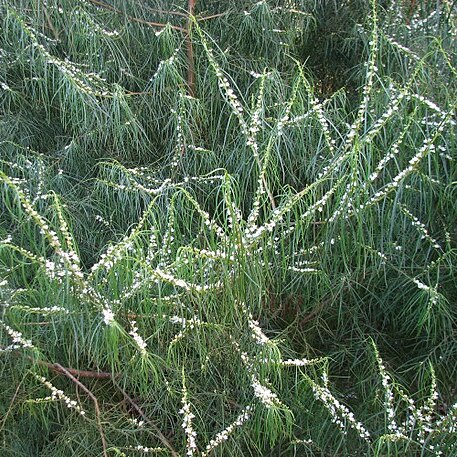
(80, 373)
(135, 19)
(186, 30)
(412, 7)
(56, 368)
(130, 93)
(93, 398)
(213, 16)
(50, 24)
(159, 434)
(71, 373)
(171, 13)
(315, 312)
(190, 50)
(8, 411)
(191, 7)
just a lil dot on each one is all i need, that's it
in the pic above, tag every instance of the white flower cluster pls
(299, 362)
(255, 125)
(433, 293)
(213, 254)
(372, 69)
(186, 324)
(417, 23)
(266, 396)
(147, 450)
(402, 48)
(102, 220)
(225, 434)
(137, 423)
(135, 186)
(108, 316)
(298, 120)
(422, 229)
(421, 285)
(319, 205)
(55, 270)
(190, 287)
(45, 310)
(257, 334)
(339, 412)
(69, 259)
(303, 266)
(164, 63)
(6, 240)
(50, 234)
(111, 256)
(235, 104)
(93, 26)
(138, 339)
(448, 422)
(254, 232)
(17, 337)
(90, 83)
(225, 88)
(317, 107)
(191, 434)
(180, 145)
(5, 86)
(392, 109)
(394, 430)
(433, 106)
(285, 117)
(256, 331)
(190, 323)
(426, 148)
(426, 415)
(57, 394)
(393, 152)
(198, 149)
(420, 424)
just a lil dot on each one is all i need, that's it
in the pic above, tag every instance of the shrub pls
(227, 234)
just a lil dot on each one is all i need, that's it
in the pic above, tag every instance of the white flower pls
(264, 394)
(224, 434)
(108, 316)
(57, 394)
(138, 339)
(191, 445)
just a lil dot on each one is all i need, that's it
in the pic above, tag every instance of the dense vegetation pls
(231, 235)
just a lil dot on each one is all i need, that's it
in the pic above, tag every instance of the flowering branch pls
(93, 398)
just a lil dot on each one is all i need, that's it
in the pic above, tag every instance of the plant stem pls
(190, 51)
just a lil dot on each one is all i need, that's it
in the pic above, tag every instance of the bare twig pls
(190, 50)
(135, 19)
(213, 16)
(412, 6)
(50, 24)
(159, 434)
(171, 13)
(93, 398)
(5, 417)
(80, 373)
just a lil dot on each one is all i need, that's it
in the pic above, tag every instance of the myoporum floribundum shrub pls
(228, 228)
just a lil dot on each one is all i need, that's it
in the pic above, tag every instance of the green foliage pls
(262, 264)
